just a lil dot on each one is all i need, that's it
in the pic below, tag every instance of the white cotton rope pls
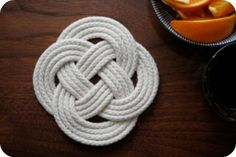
(73, 61)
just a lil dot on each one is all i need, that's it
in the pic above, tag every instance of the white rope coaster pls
(73, 60)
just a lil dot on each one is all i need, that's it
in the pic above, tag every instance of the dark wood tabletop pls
(179, 122)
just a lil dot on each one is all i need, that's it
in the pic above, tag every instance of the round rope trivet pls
(63, 73)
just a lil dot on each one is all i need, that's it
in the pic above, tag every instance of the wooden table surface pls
(179, 123)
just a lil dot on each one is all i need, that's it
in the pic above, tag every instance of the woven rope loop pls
(63, 73)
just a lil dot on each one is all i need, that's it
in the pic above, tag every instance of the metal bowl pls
(166, 15)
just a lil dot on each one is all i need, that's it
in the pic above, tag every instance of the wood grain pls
(179, 123)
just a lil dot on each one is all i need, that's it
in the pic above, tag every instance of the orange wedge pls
(183, 1)
(196, 14)
(220, 8)
(191, 6)
(205, 30)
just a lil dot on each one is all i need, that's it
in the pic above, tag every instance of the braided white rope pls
(75, 61)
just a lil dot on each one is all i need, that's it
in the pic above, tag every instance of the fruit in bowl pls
(205, 21)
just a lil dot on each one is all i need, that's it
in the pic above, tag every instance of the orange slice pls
(205, 30)
(197, 14)
(183, 1)
(220, 8)
(191, 6)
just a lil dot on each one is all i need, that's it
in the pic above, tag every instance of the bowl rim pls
(182, 38)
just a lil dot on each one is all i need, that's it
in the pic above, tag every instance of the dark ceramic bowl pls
(166, 15)
(219, 82)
